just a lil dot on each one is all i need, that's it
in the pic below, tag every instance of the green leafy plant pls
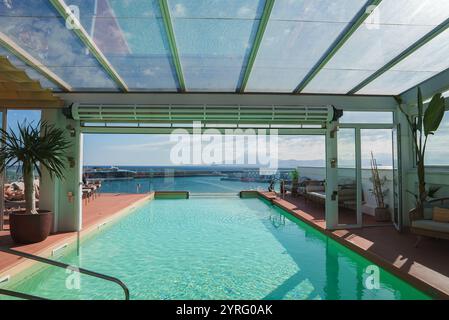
(28, 149)
(422, 126)
(431, 193)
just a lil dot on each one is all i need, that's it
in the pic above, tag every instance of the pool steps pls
(62, 265)
(5, 279)
(58, 249)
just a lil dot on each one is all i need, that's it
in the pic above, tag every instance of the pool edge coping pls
(420, 284)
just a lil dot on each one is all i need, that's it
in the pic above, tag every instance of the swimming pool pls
(221, 248)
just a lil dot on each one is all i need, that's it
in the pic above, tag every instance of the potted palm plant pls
(28, 149)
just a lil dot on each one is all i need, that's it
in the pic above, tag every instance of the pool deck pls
(98, 211)
(426, 267)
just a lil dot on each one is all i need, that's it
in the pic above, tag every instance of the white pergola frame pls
(347, 103)
(344, 102)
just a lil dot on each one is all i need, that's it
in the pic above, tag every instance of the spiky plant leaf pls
(40, 144)
(434, 114)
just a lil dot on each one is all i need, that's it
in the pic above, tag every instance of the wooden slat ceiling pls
(19, 91)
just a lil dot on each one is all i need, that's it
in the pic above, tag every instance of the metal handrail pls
(67, 266)
(20, 295)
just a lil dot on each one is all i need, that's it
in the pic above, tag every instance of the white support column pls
(331, 176)
(63, 196)
(77, 183)
(358, 166)
(408, 174)
(50, 187)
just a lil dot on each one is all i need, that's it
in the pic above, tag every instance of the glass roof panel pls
(214, 39)
(33, 74)
(37, 28)
(392, 27)
(423, 64)
(131, 35)
(298, 34)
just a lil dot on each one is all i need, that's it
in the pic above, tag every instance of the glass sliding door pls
(347, 177)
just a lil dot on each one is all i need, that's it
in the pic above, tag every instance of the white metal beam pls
(359, 102)
(20, 53)
(438, 83)
(169, 130)
(84, 36)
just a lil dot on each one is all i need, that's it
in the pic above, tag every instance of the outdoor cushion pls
(347, 194)
(431, 225)
(320, 195)
(428, 212)
(440, 214)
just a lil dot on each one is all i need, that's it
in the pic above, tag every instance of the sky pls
(155, 149)
(139, 149)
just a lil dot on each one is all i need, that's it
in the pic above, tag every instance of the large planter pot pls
(30, 228)
(382, 214)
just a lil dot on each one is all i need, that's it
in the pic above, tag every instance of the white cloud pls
(244, 12)
(180, 10)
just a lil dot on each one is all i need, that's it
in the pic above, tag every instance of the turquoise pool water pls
(222, 248)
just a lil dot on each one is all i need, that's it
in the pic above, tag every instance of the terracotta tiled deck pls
(94, 212)
(427, 266)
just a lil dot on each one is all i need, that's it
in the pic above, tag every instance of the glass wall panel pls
(391, 28)
(37, 28)
(225, 164)
(297, 35)
(132, 36)
(33, 74)
(423, 64)
(437, 152)
(214, 40)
